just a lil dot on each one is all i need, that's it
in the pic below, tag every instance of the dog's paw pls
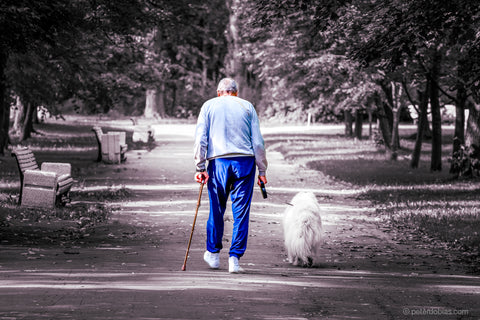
(309, 263)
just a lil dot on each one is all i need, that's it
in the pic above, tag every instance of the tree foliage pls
(97, 55)
(325, 58)
(53, 51)
(342, 55)
(186, 52)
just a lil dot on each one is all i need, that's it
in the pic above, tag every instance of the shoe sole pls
(237, 271)
(212, 267)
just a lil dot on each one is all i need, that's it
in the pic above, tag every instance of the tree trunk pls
(358, 124)
(421, 125)
(461, 99)
(4, 126)
(155, 97)
(436, 159)
(155, 103)
(35, 119)
(174, 100)
(389, 105)
(19, 116)
(204, 66)
(235, 65)
(348, 123)
(27, 125)
(370, 124)
(396, 112)
(472, 134)
(233, 58)
(395, 134)
(459, 134)
(384, 125)
(388, 122)
(4, 107)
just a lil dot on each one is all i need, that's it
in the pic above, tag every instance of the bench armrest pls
(39, 178)
(65, 182)
(57, 167)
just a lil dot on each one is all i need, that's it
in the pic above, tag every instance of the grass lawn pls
(72, 142)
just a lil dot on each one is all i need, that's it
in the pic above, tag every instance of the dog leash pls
(265, 194)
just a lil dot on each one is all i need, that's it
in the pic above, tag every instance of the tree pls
(464, 47)
(412, 33)
(4, 106)
(56, 50)
(24, 25)
(290, 52)
(422, 125)
(186, 59)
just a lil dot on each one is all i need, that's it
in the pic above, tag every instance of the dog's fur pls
(302, 226)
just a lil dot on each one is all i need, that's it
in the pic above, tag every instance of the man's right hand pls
(201, 177)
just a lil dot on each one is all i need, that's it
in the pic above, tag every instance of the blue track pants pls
(234, 177)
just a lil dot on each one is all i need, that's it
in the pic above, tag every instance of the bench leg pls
(62, 199)
(99, 155)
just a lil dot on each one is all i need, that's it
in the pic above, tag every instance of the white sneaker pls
(233, 265)
(213, 259)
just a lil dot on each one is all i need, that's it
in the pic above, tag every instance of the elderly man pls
(228, 136)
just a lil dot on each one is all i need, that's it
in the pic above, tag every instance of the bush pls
(466, 161)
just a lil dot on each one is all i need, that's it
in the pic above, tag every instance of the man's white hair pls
(227, 85)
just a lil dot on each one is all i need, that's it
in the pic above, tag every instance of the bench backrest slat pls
(29, 164)
(25, 159)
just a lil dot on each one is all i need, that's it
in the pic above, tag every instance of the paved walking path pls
(364, 271)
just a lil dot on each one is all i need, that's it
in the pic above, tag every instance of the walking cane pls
(184, 267)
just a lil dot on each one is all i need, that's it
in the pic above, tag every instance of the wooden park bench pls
(112, 147)
(42, 187)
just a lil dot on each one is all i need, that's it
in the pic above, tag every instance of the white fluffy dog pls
(302, 226)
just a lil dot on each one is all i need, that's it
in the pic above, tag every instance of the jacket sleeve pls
(201, 141)
(258, 145)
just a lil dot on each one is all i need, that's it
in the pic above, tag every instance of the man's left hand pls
(263, 179)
